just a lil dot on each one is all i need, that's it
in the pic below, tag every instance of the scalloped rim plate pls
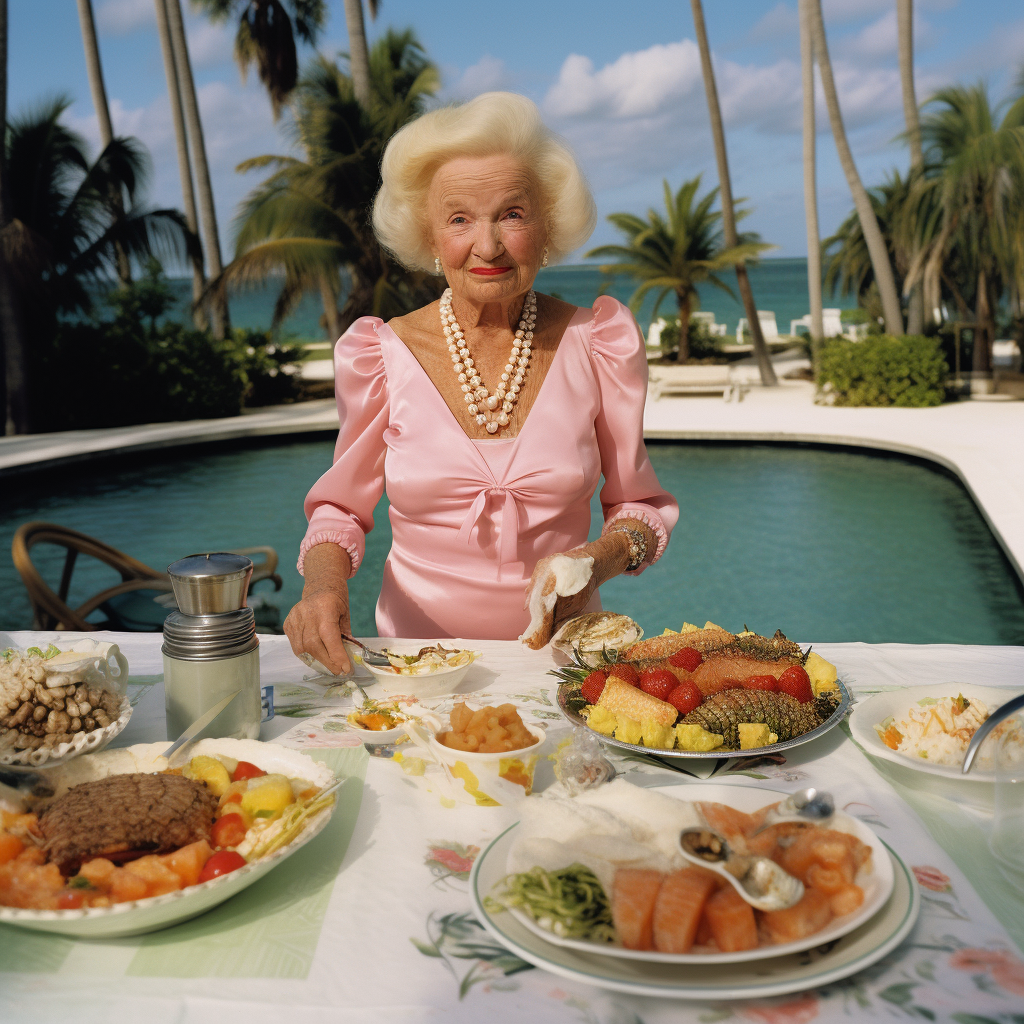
(638, 748)
(154, 912)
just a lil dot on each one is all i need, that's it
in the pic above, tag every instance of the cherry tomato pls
(768, 683)
(228, 830)
(686, 697)
(246, 770)
(688, 658)
(658, 682)
(221, 863)
(70, 900)
(796, 682)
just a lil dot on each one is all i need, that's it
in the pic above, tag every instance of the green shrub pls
(703, 345)
(268, 367)
(883, 370)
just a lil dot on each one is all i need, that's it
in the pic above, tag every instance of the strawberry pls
(685, 697)
(688, 658)
(593, 687)
(658, 682)
(626, 672)
(797, 683)
(769, 683)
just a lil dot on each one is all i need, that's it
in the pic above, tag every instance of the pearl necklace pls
(482, 404)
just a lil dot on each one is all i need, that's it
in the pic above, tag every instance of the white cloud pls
(210, 44)
(486, 75)
(781, 22)
(852, 10)
(879, 40)
(119, 17)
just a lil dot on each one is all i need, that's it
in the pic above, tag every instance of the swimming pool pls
(826, 544)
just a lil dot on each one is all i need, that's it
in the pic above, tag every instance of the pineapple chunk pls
(823, 674)
(628, 731)
(689, 627)
(267, 796)
(202, 768)
(696, 737)
(656, 735)
(600, 719)
(755, 734)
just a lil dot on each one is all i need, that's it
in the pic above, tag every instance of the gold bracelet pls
(637, 546)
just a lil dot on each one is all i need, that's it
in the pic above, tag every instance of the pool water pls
(828, 545)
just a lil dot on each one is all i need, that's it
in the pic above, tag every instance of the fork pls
(370, 656)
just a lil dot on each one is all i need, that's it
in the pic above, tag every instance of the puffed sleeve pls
(340, 504)
(631, 489)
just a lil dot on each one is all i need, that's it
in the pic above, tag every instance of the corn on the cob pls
(627, 700)
(784, 715)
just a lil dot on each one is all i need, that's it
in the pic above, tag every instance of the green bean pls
(570, 902)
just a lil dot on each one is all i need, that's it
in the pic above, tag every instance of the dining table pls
(372, 920)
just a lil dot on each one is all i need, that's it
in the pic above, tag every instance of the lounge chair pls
(716, 330)
(139, 603)
(769, 328)
(831, 323)
(693, 380)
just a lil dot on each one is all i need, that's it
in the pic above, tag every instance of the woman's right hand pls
(314, 626)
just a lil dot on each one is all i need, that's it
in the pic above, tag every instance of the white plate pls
(866, 714)
(794, 972)
(876, 883)
(147, 915)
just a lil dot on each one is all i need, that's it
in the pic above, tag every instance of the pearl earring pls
(437, 264)
(544, 261)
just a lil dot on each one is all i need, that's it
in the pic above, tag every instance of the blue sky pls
(620, 81)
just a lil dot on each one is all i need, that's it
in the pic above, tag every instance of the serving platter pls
(895, 703)
(706, 976)
(146, 915)
(568, 691)
(877, 885)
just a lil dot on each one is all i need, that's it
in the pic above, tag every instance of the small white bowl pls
(377, 737)
(426, 684)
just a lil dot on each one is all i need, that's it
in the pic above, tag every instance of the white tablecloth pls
(375, 924)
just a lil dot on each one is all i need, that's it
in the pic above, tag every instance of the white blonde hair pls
(493, 123)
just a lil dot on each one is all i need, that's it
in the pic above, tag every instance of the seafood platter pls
(697, 693)
(638, 889)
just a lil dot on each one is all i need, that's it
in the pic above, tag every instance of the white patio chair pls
(694, 380)
(769, 328)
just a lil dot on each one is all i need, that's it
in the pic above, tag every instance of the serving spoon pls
(1000, 714)
(760, 881)
(810, 806)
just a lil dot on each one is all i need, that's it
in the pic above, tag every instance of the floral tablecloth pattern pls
(372, 920)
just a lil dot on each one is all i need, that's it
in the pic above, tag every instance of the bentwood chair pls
(137, 603)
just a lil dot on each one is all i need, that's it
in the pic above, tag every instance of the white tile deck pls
(981, 442)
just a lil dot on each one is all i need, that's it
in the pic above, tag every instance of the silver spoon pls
(760, 881)
(1000, 714)
(805, 805)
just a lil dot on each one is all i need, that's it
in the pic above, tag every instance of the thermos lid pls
(209, 637)
(210, 584)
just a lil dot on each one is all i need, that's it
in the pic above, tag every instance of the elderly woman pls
(491, 415)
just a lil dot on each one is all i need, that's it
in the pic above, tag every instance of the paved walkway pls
(981, 442)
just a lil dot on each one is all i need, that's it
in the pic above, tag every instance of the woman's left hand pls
(610, 554)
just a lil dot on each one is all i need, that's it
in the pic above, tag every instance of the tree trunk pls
(329, 297)
(16, 416)
(981, 360)
(685, 306)
(884, 277)
(905, 29)
(358, 51)
(184, 168)
(764, 363)
(94, 69)
(219, 303)
(811, 184)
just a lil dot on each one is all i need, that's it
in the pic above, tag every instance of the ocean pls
(778, 284)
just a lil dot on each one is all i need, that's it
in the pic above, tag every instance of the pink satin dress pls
(471, 518)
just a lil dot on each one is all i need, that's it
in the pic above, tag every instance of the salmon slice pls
(805, 918)
(634, 893)
(732, 922)
(727, 821)
(677, 911)
(728, 671)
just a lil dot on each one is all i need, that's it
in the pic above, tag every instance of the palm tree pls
(207, 212)
(266, 37)
(872, 235)
(16, 413)
(309, 221)
(184, 166)
(94, 69)
(675, 253)
(905, 33)
(764, 362)
(358, 52)
(810, 131)
(64, 227)
(974, 175)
